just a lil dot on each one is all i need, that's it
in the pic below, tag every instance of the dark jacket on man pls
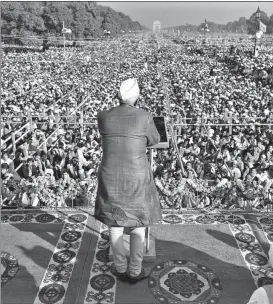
(126, 195)
(28, 171)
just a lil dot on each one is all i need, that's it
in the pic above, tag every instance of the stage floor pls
(62, 257)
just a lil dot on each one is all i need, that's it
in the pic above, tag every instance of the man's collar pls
(126, 105)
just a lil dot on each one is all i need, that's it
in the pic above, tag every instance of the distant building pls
(156, 26)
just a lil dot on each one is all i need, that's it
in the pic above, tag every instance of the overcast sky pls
(178, 13)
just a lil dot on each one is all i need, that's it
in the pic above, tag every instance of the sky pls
(179, 13)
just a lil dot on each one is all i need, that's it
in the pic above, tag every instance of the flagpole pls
(258, 19)
(64, 46)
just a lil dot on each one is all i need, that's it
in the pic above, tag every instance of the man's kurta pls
(126, 195)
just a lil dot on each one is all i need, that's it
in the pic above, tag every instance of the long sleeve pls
(153, 136)
(82, 160)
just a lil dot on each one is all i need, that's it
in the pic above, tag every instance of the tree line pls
(243, 25)
(85, 19)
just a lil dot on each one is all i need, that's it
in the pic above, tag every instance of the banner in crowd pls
(262, 27)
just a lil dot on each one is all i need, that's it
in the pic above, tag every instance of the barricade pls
(27, 128)
(207, 194)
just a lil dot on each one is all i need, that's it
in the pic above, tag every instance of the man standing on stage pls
(126, 195)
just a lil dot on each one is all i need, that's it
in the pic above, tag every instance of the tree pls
(252, 23)
(242, 25)
(46, 19)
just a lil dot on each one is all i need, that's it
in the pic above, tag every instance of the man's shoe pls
(121, 275)
(145, 272)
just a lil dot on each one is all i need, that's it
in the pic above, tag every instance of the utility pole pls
(257, 34)
(64, 45)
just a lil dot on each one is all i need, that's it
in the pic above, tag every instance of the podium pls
(160, 124)
(149, 249)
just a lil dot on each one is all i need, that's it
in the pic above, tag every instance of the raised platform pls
(63, 257)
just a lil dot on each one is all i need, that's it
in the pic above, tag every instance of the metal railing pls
(26, 127)
(194, 200)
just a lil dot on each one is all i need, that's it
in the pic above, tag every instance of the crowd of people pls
(219, 104)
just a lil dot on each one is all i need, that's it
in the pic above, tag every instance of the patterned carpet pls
(180, 280)
(63, 258)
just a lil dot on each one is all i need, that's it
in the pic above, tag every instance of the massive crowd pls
(220, 103)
